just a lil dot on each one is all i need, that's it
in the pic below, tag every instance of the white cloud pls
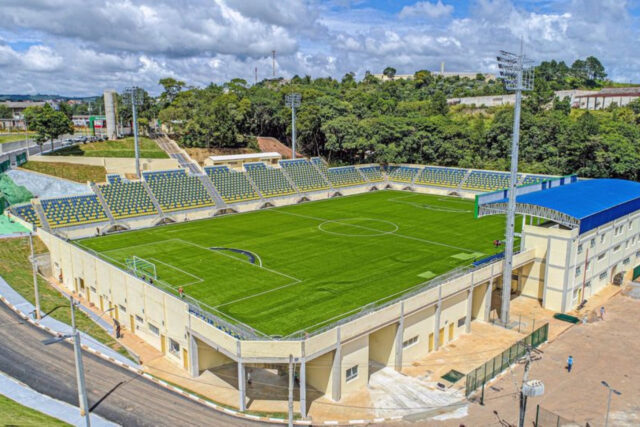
(428, 9)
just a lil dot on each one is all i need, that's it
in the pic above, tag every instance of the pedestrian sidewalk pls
(26, 308)
(26, 396)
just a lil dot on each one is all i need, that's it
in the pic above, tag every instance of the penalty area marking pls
(198, 279)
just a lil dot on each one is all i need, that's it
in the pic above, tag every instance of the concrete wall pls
(112, 164)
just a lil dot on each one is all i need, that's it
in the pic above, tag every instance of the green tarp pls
(13, 193)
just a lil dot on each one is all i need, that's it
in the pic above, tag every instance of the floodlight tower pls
(293, 100)
(136, 95)
(517, 73)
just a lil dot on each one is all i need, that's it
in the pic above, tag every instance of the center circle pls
(358, 227)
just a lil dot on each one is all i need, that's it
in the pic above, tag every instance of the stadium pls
(251, 264)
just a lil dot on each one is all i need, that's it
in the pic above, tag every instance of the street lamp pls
(517, 73)
(606, 419)
(82, 390)
(34, 268)
(293, 100)
(136, 95)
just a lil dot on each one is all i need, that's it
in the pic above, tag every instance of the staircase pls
(175, 152)
(464, 179)
(206, 181)
(103, 202)
(253, 184)
(37, 206)
(153, 198)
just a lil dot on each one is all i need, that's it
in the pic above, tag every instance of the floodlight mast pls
(293, 100)
(518, 76)
(136, 99)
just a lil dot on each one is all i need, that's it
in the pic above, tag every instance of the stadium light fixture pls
(135, 95)
(517, 73)
(293, 100)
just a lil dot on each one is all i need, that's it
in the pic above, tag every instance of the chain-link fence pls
(488, 370)
(546, 418)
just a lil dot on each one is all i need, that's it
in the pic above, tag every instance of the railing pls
(489, 370)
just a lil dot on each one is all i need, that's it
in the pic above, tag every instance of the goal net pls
(141, 267)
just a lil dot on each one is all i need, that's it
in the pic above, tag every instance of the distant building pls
(607, 96)
(468, 75)
(17, 107)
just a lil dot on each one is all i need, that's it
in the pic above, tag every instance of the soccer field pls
(301, 267)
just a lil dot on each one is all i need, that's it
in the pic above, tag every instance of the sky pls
(81, 47)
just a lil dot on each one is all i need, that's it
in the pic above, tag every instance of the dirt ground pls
(603, 350)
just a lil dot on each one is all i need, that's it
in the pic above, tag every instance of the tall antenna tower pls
(135, 95)
(273, 62)
(293, 100)
(256, 75)
(517, 73)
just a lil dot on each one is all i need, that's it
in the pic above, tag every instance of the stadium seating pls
(270, 181)
(304, 175)
(372, 173)
(486, 181)
(127, 199)
(232, 186)
(320, 164)
(76, 210)
(441, 177)
(344, 176)
(402, 173)
(113, 178)
(534, 179)
(175, 190)
(27, 213)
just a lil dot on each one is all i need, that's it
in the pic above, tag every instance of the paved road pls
(114, 393)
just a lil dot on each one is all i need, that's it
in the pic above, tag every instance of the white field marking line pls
(198, 279)
(239, 260)
(392, 234)
(426, 205)
(137, 246)
(337, 221)
(259, 294)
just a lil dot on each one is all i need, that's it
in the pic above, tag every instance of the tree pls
(5, 112)
(594, 69)
(439, 103)
(172, 88)
(389, 72)
(66, 109)
(48, 123)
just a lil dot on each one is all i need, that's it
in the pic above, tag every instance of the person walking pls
(569, 363)
(602, 313)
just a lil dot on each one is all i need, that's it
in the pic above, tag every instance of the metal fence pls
(546, 418)
(488, 370)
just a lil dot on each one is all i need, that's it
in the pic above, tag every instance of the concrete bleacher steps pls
(155, 202)
(232, 186)
(206, 182)
(303, 175)
(270, 181)
(103, 202)
(127, 199)
(72, 211)
(175, 190)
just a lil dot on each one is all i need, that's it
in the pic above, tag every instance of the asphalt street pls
(114, 393)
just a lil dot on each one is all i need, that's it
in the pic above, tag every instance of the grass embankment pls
(122, 148)
(14, 414)
(16, 270)
(72, 172)
(12, 138)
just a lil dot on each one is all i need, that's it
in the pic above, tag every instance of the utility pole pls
(273, 62)
(517, 74)
(35, 277)
(290, 390)
(528, 388)
(611, 390)
(256, 75)
(293, 100)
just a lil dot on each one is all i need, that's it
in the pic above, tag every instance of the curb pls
(188, 395)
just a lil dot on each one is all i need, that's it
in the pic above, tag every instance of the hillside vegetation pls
(351, 121)
(119, 148)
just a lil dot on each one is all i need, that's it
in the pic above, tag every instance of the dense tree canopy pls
(409, 120)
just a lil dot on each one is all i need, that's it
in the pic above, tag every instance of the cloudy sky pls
(80, 47)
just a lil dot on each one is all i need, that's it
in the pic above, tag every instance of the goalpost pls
(141, 267)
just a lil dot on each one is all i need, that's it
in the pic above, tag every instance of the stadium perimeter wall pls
(112, 164)
(434, 316)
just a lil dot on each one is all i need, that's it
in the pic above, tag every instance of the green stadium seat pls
(232, 186)
(127, 199)
(175, 190)
(27, 213)
(270, 181)
(304, 175)
(441, 176)
(76, 210)
(372, 173)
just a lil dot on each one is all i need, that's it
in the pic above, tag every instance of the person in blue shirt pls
(569, 363)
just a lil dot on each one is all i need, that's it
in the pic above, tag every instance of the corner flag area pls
(298, 268)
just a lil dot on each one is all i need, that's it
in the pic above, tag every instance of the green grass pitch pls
(301, 267)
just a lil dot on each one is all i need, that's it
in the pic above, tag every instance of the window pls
(626, 244)
(122, 308)
(94, 290)
(154, 329)
(578, 270)
(139, 319)
(617, 231)
(626, 261)
(588, 284)
(630, 225)
(462, 321)
(602, 237)
(638, 254)
(580, 248)
(603, 275)
(174, 347)
(593, 243)
(601, 256)
(616, 249)
(410, 342)
(352, 373)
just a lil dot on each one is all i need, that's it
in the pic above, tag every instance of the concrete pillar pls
(303, 383)
(436, 332)
(242, 381)
(110, 112)
(487, 300)
(194, 368)
(467, 320)
(399, 340)
(336, 370)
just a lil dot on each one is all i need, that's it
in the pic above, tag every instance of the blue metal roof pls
(593, 202)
